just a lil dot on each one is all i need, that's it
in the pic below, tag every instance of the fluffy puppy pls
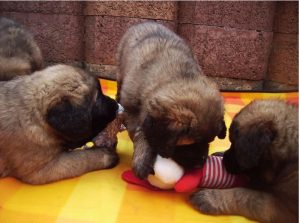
(44, 116)
(171, 108)
(264, 137)
(19, 53)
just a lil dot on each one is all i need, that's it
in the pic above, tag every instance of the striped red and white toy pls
(212, 175)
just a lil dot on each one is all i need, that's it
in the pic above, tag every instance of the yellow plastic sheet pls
(102, 196)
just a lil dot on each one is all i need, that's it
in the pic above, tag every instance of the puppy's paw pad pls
(205, 202)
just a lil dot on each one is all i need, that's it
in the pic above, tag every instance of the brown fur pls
(108, 137)
(264, 137)
(166, 97)
(19, 53)
(44, 116)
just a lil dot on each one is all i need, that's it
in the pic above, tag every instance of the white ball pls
(167, 173)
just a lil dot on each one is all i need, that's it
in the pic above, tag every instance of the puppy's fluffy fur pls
(19, 53)
(171, 108)
(45, 115)
(264, 137)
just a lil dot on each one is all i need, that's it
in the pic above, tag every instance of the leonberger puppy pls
(44, 116)
(171, 108)
(19, 53)
(264, 147)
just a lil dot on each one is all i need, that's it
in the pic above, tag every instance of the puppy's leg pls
(131, 122)
(143, 156)
(72, 164)
(252, 204)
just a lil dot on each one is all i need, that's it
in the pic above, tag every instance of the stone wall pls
(106, 22)
(242, 45)
(284, 58)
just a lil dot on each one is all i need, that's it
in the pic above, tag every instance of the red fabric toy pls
(212, 175)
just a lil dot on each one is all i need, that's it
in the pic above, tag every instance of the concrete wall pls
(242, 45)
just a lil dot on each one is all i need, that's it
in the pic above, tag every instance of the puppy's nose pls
(230, 162)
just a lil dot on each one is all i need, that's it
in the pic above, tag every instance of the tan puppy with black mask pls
(171, 108)
(265, 147)
(44, 116)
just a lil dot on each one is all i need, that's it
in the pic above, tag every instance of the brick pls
(57, 7)
(230, 84)
(78, 64)
(231, 53)
(277, 87)
(286, 17)
(145, 10)
(187, 32)
(186, 11)
(103, 34)
(60, 37)
(283, 66)
(255, 15)
(102, 71)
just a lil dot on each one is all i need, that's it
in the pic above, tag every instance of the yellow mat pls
(102, 196)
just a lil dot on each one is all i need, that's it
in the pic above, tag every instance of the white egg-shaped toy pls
(167, 173)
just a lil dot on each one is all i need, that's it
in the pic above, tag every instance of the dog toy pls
(108, 137)
(211, 175)
(167, 173)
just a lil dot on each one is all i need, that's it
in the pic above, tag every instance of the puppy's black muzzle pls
(191, 156)
(103, 112)
(230, 161)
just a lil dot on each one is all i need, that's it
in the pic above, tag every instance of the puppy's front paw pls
(206, 201)
(143, 169)
(112, 159)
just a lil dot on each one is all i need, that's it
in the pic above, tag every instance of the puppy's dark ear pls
(254, 143)
(71, 121)
(222, 132)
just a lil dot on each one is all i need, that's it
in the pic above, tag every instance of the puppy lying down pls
(44, 116)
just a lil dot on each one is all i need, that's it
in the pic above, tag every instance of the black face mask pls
(103, 112)
(191, 156)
